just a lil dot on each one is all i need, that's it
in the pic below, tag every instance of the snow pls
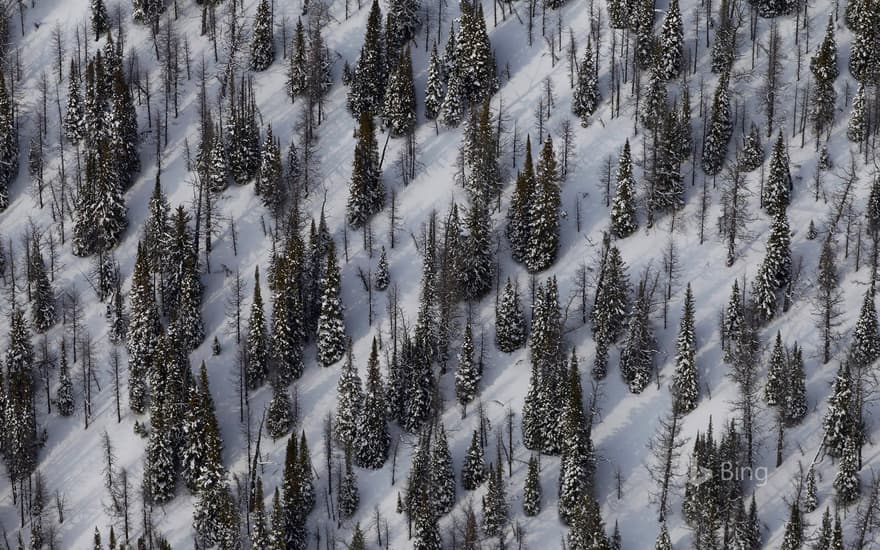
(72, 458)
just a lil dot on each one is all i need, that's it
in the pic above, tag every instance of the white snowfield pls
(71, 462)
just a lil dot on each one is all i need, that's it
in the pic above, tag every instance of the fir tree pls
(777, 189)
(823, 65)
(99, 19)
(473, 471)
(64, 396)
(143, 330)
(838, 422)
(467, 375)
(383, 278)
(865, 346)
(453, 103)
(186, 321)
(201, 464)
(368, 82)
(793, 538)
(495, 501)
(366, 194)
(671, 43)
(74, 117)
(847, 483)
(643, 20)
(637, 356)
(686, 382)
(796, 396)
(752, 156)
(774, 391)
(402, 24)
(357, 539)
(8, 144)
(585, 96)
(371, 437)
(257, 339)
(856, 129)
(349, 399)
(475, 63)
(160, 469)
(279, 416)
(719, 129)
(259, 529)
(610, 307)
(575, 471)
(269, 186)
(434, 92)
(263, 39)
(510, 322)
(663, 541)
(519, 214)
(623, 209)
(532, 489)
(331, 325)
(442, 474)
(347, 498)
(42, 294)
(296, 69)
(544, 222)
(475, 269)
(399, 110)
(587, 531)
(654, 103)
(811, 499)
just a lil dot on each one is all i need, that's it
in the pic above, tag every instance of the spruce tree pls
(269, 185)
(279, 415)
(331, 324)
(793, 538)
(796, 394)
(510, 322)
(347, 497)
(74, 117)
(442, 474)
(752, 156)
(201, 464)
(349, 398)
(654, 102)
(847, 483)
(371, 440)
(686, 382)
(719, 129)
(99, 19)
(8, 144)
(519, 214)
(645, 43)
(544, 223)
(475, 62)
(663, 541)
(296, 83)
(477, 259)
(64, 396)
(160, 468)
(609, 308)
(838, 422)
(383, 277)
(19, 438)
(42, 294)
(467, 375)
(865, 346)
(263, 39)
(777, 190)
(399, 110)
(357, 539)
(623, 208)
(856, 130)
(259, 529)
(671, 42)
(585, 96)
(811, 499)
(473, 471)
(434, 92)
(823, 65)
(143, 330)
(774, 391)
(733, 322)
(368, 82)
(637, 356)
(366, 194)
(257, 339)
(495, 501)
(532, 489)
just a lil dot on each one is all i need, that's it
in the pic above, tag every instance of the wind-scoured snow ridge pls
(72, 461)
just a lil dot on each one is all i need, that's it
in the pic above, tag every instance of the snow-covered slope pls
(72, 458)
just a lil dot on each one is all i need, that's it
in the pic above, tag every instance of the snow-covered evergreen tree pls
(442, 474)
(846, 482)
(719, 129)
(686, 380)
(383, 277)
(585, 96)
(143, 330)
(856, 129)
(532, 489)
(671, 43)
(263, 38)
(368, 82)
(793, 538)
(371, 440)
(477, 259)
(544, 220)
(774, 390)
(510, 321)
(623, 208)
(366, 194)
(467, 375)
(257, 339)
(473, 470)
(519, 214)
(331, 324)
(349, 398)
(434, 92)
(347, 497)
(279, 415)
(637, 356)
(777, 189)
(752, 156)
(495, 501)
(399, 109)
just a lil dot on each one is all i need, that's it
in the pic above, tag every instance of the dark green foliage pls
(371, 440)
(719, 129)
(257, 339)
(623, 209)
(331, 324)
(686, 380)
(368, 82)
(366, 194)
(544, 219)
(510, 322)
(399, 109)
(473, 470)
(262, 40)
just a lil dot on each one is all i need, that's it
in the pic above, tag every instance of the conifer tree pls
(186, 321)
(64, 396)
(643, 21)
(733, 322)
(532, 489)
(811, 499)
(544, 223)
(279, 415)
(856, 129)
(442, 474)
(865, 346)
(371, 438)
(366, 194)
(623, 209)
(671, 43)
(838, 422)
(519, 214)
(143, 330)
(793, 537)
(467, 375)
(774, 391)
(201, 464)
(74, 117)
(368, 82)
(752, 156)
(846, 483)
(663, 541)
(263, 39)
(483, 178)
(637, 356)
(402, 23)
(8, 144)
(357, 539)
(350, 395)
(123, 136)
(777, 189)
(259, 529)
(434, 92)
(331, 325)
(477, 260)
(453, 102)
(654, 103)
(495, 501)
(587, 531)
(510, 322)
(42, 294)
(575, 470)
(863, 50)
(160, 468)
(609, 308)
(686, 382)
(719, 129)
(399, 110)
(796, 396)
(775, 270)
(475, 62)
(257, 339)
(823, 65)
(585, 96)
(99, 19)
(19, 438)
(269, 185)
(347, 497)
(473, 471)
(383, 278)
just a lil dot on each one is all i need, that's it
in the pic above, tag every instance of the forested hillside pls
(350, 274)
